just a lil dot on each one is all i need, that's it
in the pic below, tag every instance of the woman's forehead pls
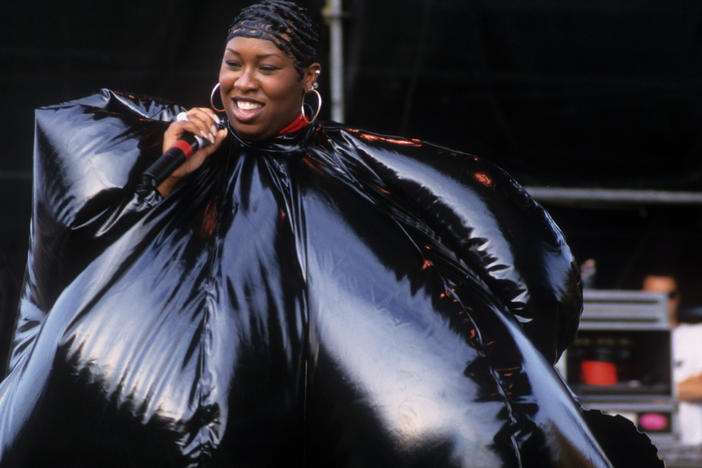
(256, 46)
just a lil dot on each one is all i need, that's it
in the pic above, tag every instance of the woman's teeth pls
(248, 105)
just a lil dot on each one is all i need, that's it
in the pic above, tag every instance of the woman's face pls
(260, 87)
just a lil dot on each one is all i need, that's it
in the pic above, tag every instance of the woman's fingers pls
(196, 160)
(206, 120)
(202, 122)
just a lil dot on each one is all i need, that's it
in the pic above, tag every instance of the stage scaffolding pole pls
(606, 196)
(333, 14)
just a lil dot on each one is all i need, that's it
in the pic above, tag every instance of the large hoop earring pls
(212, 96)
(319, 106)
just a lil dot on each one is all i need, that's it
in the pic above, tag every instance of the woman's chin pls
(251, 133)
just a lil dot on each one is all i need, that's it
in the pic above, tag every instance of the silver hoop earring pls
(319, 106)
(212, 96)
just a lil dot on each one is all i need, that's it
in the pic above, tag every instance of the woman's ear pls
(311, 76)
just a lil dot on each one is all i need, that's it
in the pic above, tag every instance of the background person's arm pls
(690, 389)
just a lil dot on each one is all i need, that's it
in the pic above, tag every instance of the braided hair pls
(284, 23)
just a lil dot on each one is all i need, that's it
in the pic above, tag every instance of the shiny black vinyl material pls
(331, 297)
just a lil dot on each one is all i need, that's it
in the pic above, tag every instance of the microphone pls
(174, 156)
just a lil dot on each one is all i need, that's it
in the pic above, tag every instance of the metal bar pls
(333, 13)
(15, 175)
(570, 196)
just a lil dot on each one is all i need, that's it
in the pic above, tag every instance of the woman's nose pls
(246, 81)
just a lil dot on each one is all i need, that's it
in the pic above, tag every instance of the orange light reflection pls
(483, 179)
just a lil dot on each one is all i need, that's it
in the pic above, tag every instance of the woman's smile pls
(246, 110)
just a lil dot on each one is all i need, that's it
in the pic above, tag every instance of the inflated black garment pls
(328, 298)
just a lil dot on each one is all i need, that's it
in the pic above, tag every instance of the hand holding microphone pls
(187, 142)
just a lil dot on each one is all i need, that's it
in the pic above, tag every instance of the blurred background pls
(594, 105)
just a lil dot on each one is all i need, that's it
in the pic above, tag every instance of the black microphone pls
(174, 156)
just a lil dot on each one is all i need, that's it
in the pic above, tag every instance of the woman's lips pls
(246, 110)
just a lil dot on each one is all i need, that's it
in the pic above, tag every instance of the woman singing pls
(296, 293)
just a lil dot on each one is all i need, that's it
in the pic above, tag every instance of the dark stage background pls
(575, 93)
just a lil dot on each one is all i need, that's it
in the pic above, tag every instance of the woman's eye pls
(268, 68)
(233, 64)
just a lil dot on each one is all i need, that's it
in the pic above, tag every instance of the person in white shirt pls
(687, 358)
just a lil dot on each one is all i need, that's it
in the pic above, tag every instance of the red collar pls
(297, 124)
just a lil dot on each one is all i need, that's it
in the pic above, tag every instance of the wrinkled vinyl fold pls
(331, 298)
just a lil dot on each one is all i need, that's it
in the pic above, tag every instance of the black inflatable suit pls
(328, 298)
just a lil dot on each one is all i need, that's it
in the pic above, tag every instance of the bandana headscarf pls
(286, 24)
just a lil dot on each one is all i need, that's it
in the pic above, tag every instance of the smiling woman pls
(296, 293)
(269, 64)
(261, 89)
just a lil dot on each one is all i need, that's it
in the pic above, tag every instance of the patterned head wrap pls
(284, 23)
